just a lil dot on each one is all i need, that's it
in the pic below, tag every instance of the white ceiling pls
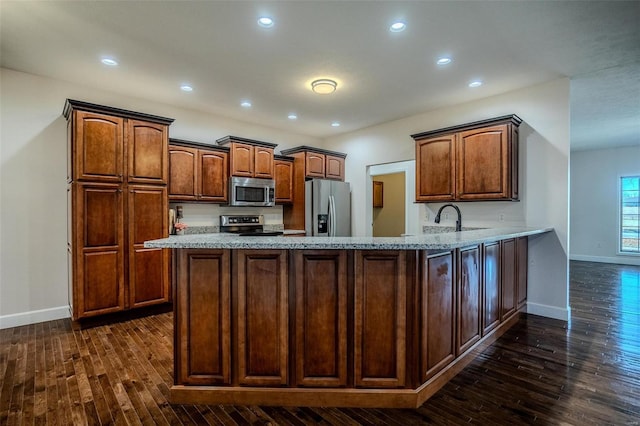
(219, 49)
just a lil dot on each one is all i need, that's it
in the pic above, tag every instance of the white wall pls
(544, 174)
(33, 272)
(595, 177)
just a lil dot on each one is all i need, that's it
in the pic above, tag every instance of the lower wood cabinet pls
(491, 286)
(469, 300)
(262, 317)
(509, 278)
(522, 250)
(203, 327)
(330, 319)
(438, 324)
(321, 318)
(380, 316)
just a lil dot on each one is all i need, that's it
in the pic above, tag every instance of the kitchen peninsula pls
(342, 321)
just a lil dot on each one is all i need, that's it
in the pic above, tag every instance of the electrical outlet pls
(501, 217)
(446, 216)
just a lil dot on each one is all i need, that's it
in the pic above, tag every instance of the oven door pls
(251, 192)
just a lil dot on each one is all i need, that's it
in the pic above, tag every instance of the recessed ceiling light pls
(323, 86)
(109, 62)
(265, 22)
(396, 27)
(335, 124)
(443, 61)
(245, 104)
(292, 117)
(186, 88)
(475, 83)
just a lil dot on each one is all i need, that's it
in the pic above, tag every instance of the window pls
(630, 214)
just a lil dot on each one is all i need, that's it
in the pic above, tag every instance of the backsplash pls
(208, 215)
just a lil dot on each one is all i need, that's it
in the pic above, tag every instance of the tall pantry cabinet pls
(117, 172)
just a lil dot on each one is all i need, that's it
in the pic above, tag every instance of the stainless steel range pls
(245, 225)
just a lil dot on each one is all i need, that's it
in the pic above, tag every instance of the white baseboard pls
(620, 260)
(549, 311)
(33, 317)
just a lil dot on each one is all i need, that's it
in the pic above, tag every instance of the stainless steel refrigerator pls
(327, 208)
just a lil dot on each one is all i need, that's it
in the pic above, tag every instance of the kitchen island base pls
(338, 327)
(350, 397)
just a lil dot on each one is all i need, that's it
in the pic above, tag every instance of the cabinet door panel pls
(321, 318)
(262, 317)
(284, 181)
(469, 299)
(148, 152)
(148, 268)
(213, 176)
(438, 313)
(522, 265)
(242, 160)
(491, 287)
(483, 163)
(314, 165)
(97, 152)
(203, 326)
(334, 167)
(99, 243)
(435, 168)
(182, 173)
(263, 167)
(509, 278)
(380, 319)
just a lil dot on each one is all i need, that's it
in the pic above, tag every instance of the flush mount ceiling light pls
(335, 124)
(324, 86)
(443, 61)
(475, 83)
(292, 116)
(109, 62)
(265, 22)
(186, 88)
(245, 104)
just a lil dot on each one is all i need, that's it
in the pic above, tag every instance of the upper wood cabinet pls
(197, 172)
(283, 167)
(113, 145)
(475, 161)
(318, 163)
(249, 158)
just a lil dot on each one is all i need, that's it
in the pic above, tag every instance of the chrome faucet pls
(458, 222)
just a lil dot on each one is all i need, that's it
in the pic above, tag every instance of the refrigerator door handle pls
(330, 218)
(332, 207)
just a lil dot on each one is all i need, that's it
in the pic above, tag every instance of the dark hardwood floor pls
(542, 371)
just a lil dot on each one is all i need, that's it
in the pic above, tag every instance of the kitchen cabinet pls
(469, 308)
(202, 354)
(117, 170)
(491, 286)
(475, 161)
(249, 158)
(380, 315)
(321, 318)
(509, 278)
(283, 167)
(522, 254)
(438, 323)
(198, 172)
(262, 317)
(149, 279)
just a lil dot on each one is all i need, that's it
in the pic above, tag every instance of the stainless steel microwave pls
(251, 192)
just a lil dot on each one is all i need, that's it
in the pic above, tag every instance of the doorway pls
(389, 205)
(410, 214)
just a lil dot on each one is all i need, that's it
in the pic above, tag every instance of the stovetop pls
(245, 225)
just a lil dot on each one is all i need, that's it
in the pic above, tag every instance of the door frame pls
(412, 210)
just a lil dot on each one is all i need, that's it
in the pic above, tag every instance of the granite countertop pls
(443, 241)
